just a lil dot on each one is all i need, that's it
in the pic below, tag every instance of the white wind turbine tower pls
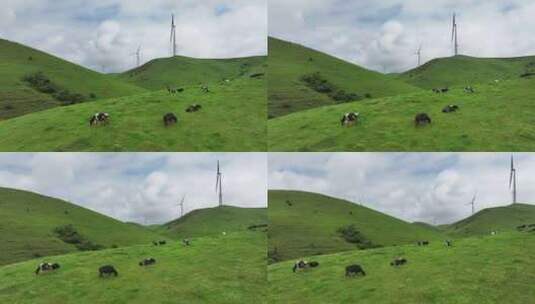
(138, 56)
(419, 54)
(512, 179)
(218, 185)
(172, 40)
(473, 203)
(181, 205)
(454, 38)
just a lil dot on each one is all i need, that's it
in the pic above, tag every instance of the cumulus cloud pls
(430, 187)
(103, 35)
(384, 35)
(143, 188)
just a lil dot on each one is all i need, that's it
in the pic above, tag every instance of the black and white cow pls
(162, 242)
(450, 109)
(45, 267)
(304, 265)
(107, 270)
(194, 108)
(350, 119)
(147, 262)
(99, 118)
(186, 242)
(422, 119)
(469, 89)
(423, 243)
(398, 261)
(169, 119)
(205, 89)
(448, 243)
(353, 270)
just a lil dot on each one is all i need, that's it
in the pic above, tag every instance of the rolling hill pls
(492, 269)
(222, 269)
(465, 71)
(17, 97)
(303, 224)
(288, 93)
(497, 117)
(184, 71)
(29, 220)
(232, 118)
(214, 221)
(494, 219)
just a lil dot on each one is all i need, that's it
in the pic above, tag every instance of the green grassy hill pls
(184, 71)
(465, 71)
(222, 269)
(303, 224)
(214, 221)
(494, 219)
(497, 117)
(492, 269)
(18, 98)
(29, 219)
(289, 62)
(232, 118)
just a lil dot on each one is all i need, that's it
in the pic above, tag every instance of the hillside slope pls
(497, 117)
(289, 62)
(232, 118)
(302, 224)
(214, 221)
(29, 219)
(184, 71)
(467, 71)
(223, 269)
(494, 269)
(494, 219)
(18, 98)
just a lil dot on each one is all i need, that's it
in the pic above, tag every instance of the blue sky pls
(139, 187)
(430, 187)
(384, 35)
(103, 35)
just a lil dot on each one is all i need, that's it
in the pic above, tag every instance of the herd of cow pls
(107, 270)
(351, 118)
(356, 269)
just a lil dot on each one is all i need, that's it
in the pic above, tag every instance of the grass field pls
(491, 269)
(29, 219)
(287, 93)
(214, 221)
(309, 225)
(222, 269)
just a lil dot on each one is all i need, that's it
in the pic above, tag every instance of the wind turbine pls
(138, 56)
(172, 40)
(218, 185)
(512, 179)
(181, 205)
(473, 203)
(454, 39)
(419, 54)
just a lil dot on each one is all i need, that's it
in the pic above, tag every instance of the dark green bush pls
(352, 235)
(69, 235)
(41, 83)
(316, 82)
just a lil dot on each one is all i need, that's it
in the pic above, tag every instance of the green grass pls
(497, 269)
(17, 98)
(28, 221)
(308, 226)
(214, 221)
(494, 219)
(233, 118)
(498, 117)
(223, 269)
(183, 71)
(465, 71)
(287, 93)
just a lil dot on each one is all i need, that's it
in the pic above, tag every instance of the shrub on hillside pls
(41, 83)
(316, 82)
(69, 235)
(354, 236)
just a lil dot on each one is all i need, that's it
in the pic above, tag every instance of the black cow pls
(422, 119)
(147, 262)
(99, 118)
(162, 242)
(450, 109)
(349, 119)
(353, 270)
(47, 267)
(398, 262)
(107, 270)
(194, 108)
(169, 119)
(423, 243)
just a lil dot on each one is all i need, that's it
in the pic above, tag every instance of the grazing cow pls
(493, 232)
(107, 270)
(349, 119)
(46, 267)
(398, 261)
(186, 242)
(304, 265)
(353, 270)
(423, 243)
(450, 108)
(169, 119)
(422, 119)
(162, 242)
(205, 89)
(194, 108)
(99, 118)
(147, 262)
(448, 243)
(469, 89)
